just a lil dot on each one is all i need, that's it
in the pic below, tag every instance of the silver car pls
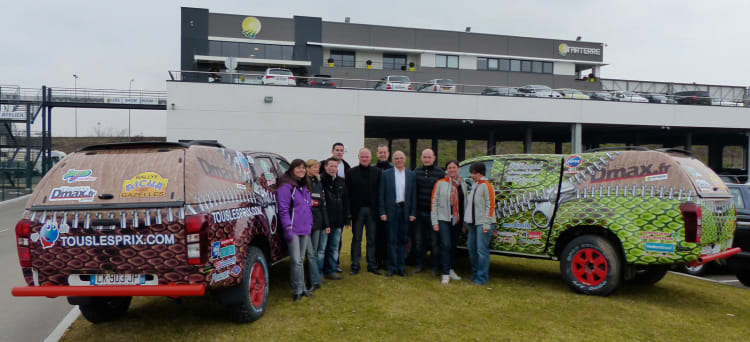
(536, 90)
(394, 82)
(438, 85)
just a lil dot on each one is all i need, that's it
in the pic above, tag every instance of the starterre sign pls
(564, 50)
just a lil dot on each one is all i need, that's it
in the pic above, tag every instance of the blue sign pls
(659, 247)
(215, 249)
(227, 251)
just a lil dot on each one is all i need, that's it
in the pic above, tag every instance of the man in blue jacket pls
(397, 205)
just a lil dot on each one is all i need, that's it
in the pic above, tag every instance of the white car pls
(394, 82)
(628, 96)
(537, 90)
(722, 102)
(438, 85)
(278, 76)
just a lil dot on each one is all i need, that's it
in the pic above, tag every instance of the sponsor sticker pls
(219, 276)
(535, 235)
(234, 214)
(146, 184)
(48, 235)
(227, 242)
(529, 242)
(663, 176)
(72, 193)
(74, 175)
(117, 240)
(227, 251)
(659, 247)
(236, 270)
(518, 225)
(663, 236)
(219, 264)
(215, 249)
(703, 185)
(509, 240)
(632, 172)
(499, 233)
(573, 161)
(241, 186)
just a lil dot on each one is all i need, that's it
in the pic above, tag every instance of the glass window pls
(273, 51)
(525, 66)
(441, 61)
(737, 197)
(492, 64)
(283, 166)
(343, 58)
(394, 62)
(245, 50)
(464, 173)
(214, 48)
(481, 63)
(515, 65)
(547, 68)
(287, 52)
(453, 62)
(504, 65)
(230, 49)
(256, 51)
(536, 67)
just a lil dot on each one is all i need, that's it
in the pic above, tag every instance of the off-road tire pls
(694, 271)
(591, 265)
(254, 288)
(744, 277)
(649, 275)
(105, 309)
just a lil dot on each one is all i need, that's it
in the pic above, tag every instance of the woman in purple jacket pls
(295, 211)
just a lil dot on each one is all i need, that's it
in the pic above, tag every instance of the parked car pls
(320, 81)
(394, 82)
(438, 85)
(693, 97)
(656, 98)
(278, 76)
(536, 90)
(726, 103)
(569, 93)
(153, 218)
(740, 263)
(501, 91)
(609, 215)
(600, 95)
(628, 96)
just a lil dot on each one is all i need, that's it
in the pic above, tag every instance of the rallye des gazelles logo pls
(74, 175)
(146, 184)
(250, 27)
(649, 172)
(72, 193)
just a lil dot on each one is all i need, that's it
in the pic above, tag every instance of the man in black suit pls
(397, 206)
(362, 185)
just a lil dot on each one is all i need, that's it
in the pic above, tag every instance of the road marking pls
(729, 281)
(4, 230)
(60, 329)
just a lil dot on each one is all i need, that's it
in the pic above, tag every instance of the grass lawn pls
(525, 300)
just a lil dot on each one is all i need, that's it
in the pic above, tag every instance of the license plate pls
(281, 78)
(118, 279)
(447, 88)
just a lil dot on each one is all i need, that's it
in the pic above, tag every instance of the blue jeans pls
(479, 252)
(448, 239)
(331, 250)
(398, 235)
(321, 249)
(297, 247)
(312, 257)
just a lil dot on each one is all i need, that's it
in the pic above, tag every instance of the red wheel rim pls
(257, 285)
(589, 266)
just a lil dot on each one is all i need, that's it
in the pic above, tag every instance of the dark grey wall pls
(307, 29)
(230, 25)
(193, 36)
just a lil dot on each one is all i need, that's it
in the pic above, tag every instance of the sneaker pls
(453, 275)
(446, 279)
(333, 276)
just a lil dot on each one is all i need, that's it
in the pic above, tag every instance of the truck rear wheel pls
(694, 270)
(591, 265)
(105, 309)
(744, 277)
(254, 288)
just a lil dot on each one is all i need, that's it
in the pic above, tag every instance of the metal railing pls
(83, 95)
(455, 88)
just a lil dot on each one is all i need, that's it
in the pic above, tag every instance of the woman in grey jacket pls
(480, 221)
(447, 218)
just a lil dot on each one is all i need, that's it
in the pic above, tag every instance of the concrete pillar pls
(460, 149)
(689, 141)
(491, 143)
(413, 153)
(527, 140)
(558, 147)
(747, 155)
(435, 148)
(576, 144)
(637, 139)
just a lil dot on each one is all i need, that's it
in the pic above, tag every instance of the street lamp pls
(130, 86)
(75, 98)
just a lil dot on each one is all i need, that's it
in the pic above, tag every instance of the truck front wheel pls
(253, 293)
(591, 265)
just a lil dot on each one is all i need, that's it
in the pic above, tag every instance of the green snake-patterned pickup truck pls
(609, 216)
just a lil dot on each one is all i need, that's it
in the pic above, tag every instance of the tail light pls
(388, 86)
(269, 76)
(410, 87)
(292, 78)
(196, 227)
(333, 84)
(694, 97)
(23, 232)
(313, 82)
(693, 218)
(435, 88)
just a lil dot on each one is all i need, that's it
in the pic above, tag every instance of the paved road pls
(29, 318)
(726, 278)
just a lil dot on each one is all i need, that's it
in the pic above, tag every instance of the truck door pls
(526, 201)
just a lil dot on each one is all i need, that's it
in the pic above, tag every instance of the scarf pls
(456, 185)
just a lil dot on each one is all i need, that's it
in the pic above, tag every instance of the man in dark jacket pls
(337, 152)
(381, 240)
(425, 238)
(337, 205)
(396, 197)
(362, 186)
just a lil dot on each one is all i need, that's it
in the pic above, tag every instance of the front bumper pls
(109, 291)
(711, 257)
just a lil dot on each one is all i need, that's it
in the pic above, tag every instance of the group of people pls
(395, 207)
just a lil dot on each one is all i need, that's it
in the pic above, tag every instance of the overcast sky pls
(109, 43)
